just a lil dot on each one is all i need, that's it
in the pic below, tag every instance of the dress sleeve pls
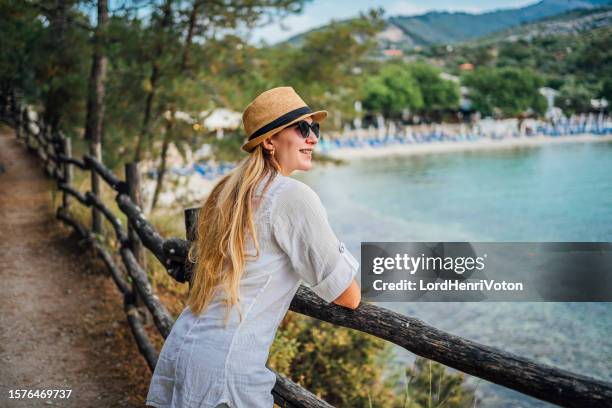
(301, 229)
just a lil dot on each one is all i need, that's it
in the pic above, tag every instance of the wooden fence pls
(518, 373)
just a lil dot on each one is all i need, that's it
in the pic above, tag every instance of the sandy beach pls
(448, 147)
(192, 190)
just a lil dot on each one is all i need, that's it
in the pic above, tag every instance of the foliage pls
(328, 67)
(417, 87)
(438, 93)
(18, 46)
(511, 91)
(349, 368)
(579, 64)
(431, 385)
(46, 51)
(392, 90)
(41, 55)
(228, 148)
(606, 89)
(574, 98)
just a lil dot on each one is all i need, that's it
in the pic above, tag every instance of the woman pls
(260, 235)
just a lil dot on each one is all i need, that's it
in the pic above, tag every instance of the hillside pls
(406, 32)
(572, 22)
(446, 28)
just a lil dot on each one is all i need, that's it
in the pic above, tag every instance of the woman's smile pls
(307, 152)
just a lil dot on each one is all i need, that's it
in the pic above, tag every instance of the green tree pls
(21, 32)
(592, 58)
(328, 67)
(344, 367)
(438, 93)
(41, 53)
(392, 90)
(348, 368)
(575, 97)
(95, 103)
(606, 90)
(162, 33)
(431, 385)
(510, 90)
(126, 86)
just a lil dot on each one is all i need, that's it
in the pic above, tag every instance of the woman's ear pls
(268, 144)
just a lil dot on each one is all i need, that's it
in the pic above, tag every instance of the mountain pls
(406, 32)
(446, 28)
(568, 23)
(574, 45)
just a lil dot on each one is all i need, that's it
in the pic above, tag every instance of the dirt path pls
(62, 324)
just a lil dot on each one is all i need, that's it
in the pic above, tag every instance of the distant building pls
(599, 104)
(552, 112)
(393, 53)
(466, 66)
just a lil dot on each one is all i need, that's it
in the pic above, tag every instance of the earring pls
(272, 152)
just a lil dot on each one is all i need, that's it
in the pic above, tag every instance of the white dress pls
(203, 364)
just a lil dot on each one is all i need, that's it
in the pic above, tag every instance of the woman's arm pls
(301, 229)
(351, 297)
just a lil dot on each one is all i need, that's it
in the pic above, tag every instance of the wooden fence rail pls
(521, 374)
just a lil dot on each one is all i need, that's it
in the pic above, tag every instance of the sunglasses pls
(305, 128)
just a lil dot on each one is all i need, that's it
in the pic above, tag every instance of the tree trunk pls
(162, 167)
(153, 79)
(169, 126)
(192, 20)
(95, 104)
(58, 23)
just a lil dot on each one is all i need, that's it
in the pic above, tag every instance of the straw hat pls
(272, 111)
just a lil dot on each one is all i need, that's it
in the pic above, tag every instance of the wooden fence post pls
(45, 148)
(42, 137)
(96, 217)
(14, 105)
(26, 128)
(67, 151)
(22, 123)
(18, 122)
(25, 125)
(58, 149)
(132, 179)
(37, 138)
(49, 151)
(191, 225)
(28, 131)
(191, 218)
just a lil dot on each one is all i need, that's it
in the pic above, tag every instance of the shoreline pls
(191, 190)
(449, 147)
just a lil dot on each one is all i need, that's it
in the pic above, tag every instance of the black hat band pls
(280, 121)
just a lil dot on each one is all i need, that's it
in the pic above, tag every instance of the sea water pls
(536, 194)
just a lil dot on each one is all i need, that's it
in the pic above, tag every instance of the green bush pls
(348, 368)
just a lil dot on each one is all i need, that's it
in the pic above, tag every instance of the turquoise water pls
(548, 193)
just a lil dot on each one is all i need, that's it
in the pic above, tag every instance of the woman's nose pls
(312, 138)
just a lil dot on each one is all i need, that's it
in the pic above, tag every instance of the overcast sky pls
(320, 12)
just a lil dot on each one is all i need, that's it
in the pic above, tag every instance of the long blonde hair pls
(224, 221)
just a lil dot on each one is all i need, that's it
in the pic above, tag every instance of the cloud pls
(408, 8)
(405, 8)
